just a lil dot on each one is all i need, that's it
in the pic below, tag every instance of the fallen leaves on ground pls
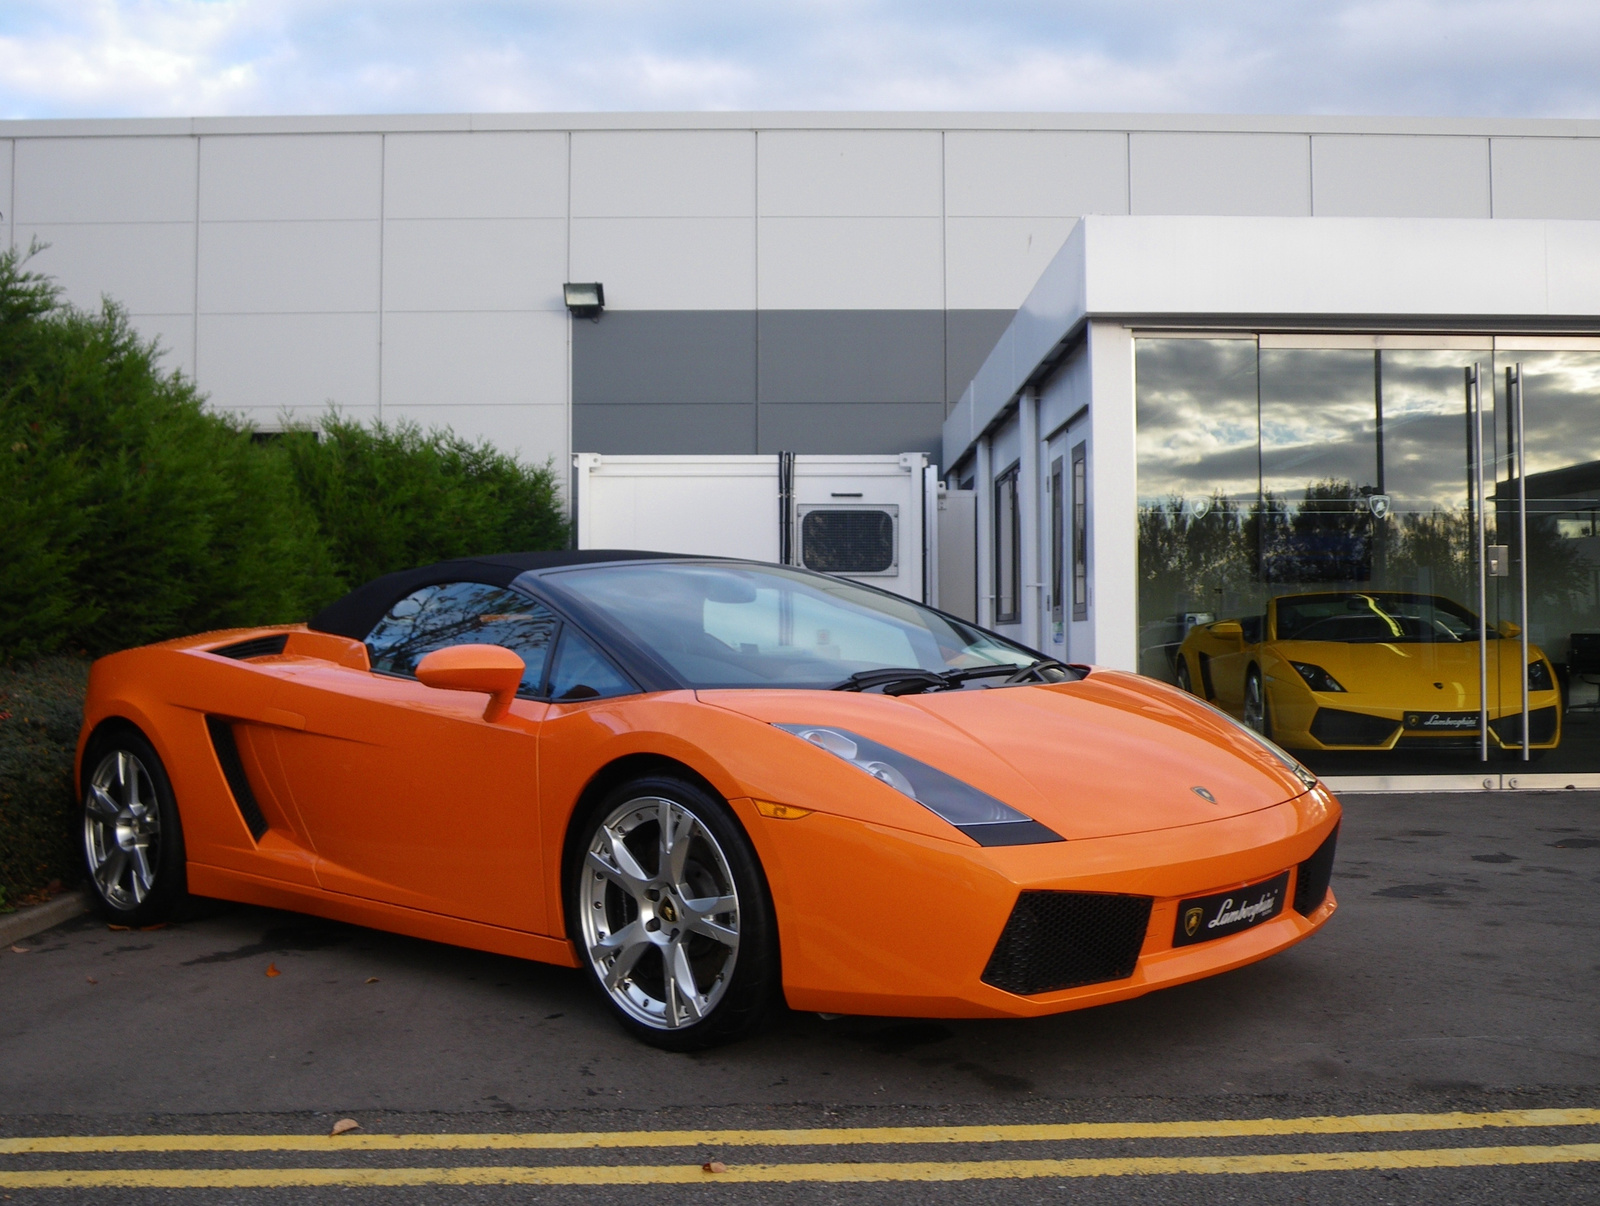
(119, 929)
(272, 970)
(91, 980)
(714, 1166)
(145, 929)
(20, 950)
(343, 1125)
(372, 979)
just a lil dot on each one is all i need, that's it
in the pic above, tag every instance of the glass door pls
(1546, 508)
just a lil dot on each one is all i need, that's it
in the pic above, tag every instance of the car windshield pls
(765, 626)
(1379, 618)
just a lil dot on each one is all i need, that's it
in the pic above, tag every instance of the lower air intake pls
(1056, 940)
(1311, 884)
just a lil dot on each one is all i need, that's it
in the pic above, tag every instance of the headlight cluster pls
(1539, 676)
(1316, 677)
(977, 814)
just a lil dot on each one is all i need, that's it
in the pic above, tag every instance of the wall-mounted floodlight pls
(585, 300)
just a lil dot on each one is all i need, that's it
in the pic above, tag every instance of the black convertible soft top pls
(354, 615)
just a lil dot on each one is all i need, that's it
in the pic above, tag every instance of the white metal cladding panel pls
(992, 263)
(1371, 176)
(451, 359)
(480, 175)
(7, 150)
(1026, 173)
(725, 506)
(294, 176)
(288, 267)
(474, 263)
(851, 264)
(1229, 174)
(148, 267)
(1066, 393)
(532, 432)
(668, 263)
(850, 173)
(175, 333)
(301, 361)
(1546, 177)
(664, 174)
(1573, 255)
(105, 180)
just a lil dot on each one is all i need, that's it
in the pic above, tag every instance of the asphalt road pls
(1462, 973)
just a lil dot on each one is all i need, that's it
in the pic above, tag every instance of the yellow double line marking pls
(955, 1170)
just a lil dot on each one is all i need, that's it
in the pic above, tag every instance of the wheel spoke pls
(624, 871)
(716, 931)
(629, 943)
(101, 804)
(681, 988)
(109, 873)
(143, 877)
(675, 851)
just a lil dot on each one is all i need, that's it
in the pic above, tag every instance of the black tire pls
(1182, 675)
(131, 836)
(1253, 679)
(730, 989)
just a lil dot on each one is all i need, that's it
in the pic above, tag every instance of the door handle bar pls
(1522, 546)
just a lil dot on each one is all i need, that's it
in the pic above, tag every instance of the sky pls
(129, 58)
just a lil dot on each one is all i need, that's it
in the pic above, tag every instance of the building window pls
(1007, 549)
(1058, 536)
(1080, 532)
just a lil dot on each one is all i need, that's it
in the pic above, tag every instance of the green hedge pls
(41, 707)
(129, 513)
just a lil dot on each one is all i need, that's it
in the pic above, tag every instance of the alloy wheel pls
(122, 829)
(660, 913)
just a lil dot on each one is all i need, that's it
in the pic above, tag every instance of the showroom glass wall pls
(1318, 554)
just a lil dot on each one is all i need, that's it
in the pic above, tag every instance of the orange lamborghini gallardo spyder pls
(704, 782)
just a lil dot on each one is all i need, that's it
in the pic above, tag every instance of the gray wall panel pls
(1371, 176)
(644, 356)
(812, 357)
(851, 429)
(663, 428)
(1243, 175)
(1546, 177)
(970, 335)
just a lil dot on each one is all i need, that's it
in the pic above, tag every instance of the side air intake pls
(1056, 940)
(227, 750)
(267, 646)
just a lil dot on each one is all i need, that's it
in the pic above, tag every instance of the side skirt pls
(225, 884)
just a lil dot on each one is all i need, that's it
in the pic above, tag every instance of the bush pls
(41, 707)
(391, 497)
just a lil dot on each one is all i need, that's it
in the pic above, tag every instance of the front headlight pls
(1316, 677)
(1539, 676)
(977, 814)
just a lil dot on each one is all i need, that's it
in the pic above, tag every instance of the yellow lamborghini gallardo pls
(1370, 670)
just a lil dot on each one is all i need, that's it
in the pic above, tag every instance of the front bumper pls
(884, 922)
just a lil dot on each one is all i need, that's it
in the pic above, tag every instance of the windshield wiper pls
(913, 680)
(1036, 670)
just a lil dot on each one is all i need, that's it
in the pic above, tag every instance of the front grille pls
(1311, 884)
(1541, 727)
(244, 798)
(267, 646)
(1333, 727)
(1056, 940)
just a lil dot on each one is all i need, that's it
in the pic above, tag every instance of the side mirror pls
(489, 668)
(1228, 630)
(1507, 629)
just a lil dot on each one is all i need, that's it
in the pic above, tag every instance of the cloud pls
(183, 57)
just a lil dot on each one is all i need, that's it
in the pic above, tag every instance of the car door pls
(1232, 661)
(408, 795)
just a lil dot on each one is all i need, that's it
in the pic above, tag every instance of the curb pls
(35, 919)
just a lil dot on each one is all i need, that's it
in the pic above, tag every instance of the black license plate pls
(1202, 918)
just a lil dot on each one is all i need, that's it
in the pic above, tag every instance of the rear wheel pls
(132, 838)
(668, 906)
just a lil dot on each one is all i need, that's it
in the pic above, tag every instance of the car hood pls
(1111, 754)
(1413, 674)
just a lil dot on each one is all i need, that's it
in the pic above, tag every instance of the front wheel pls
(132, 839)
(1257, 713)
(1184, 681)
(669, 908)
